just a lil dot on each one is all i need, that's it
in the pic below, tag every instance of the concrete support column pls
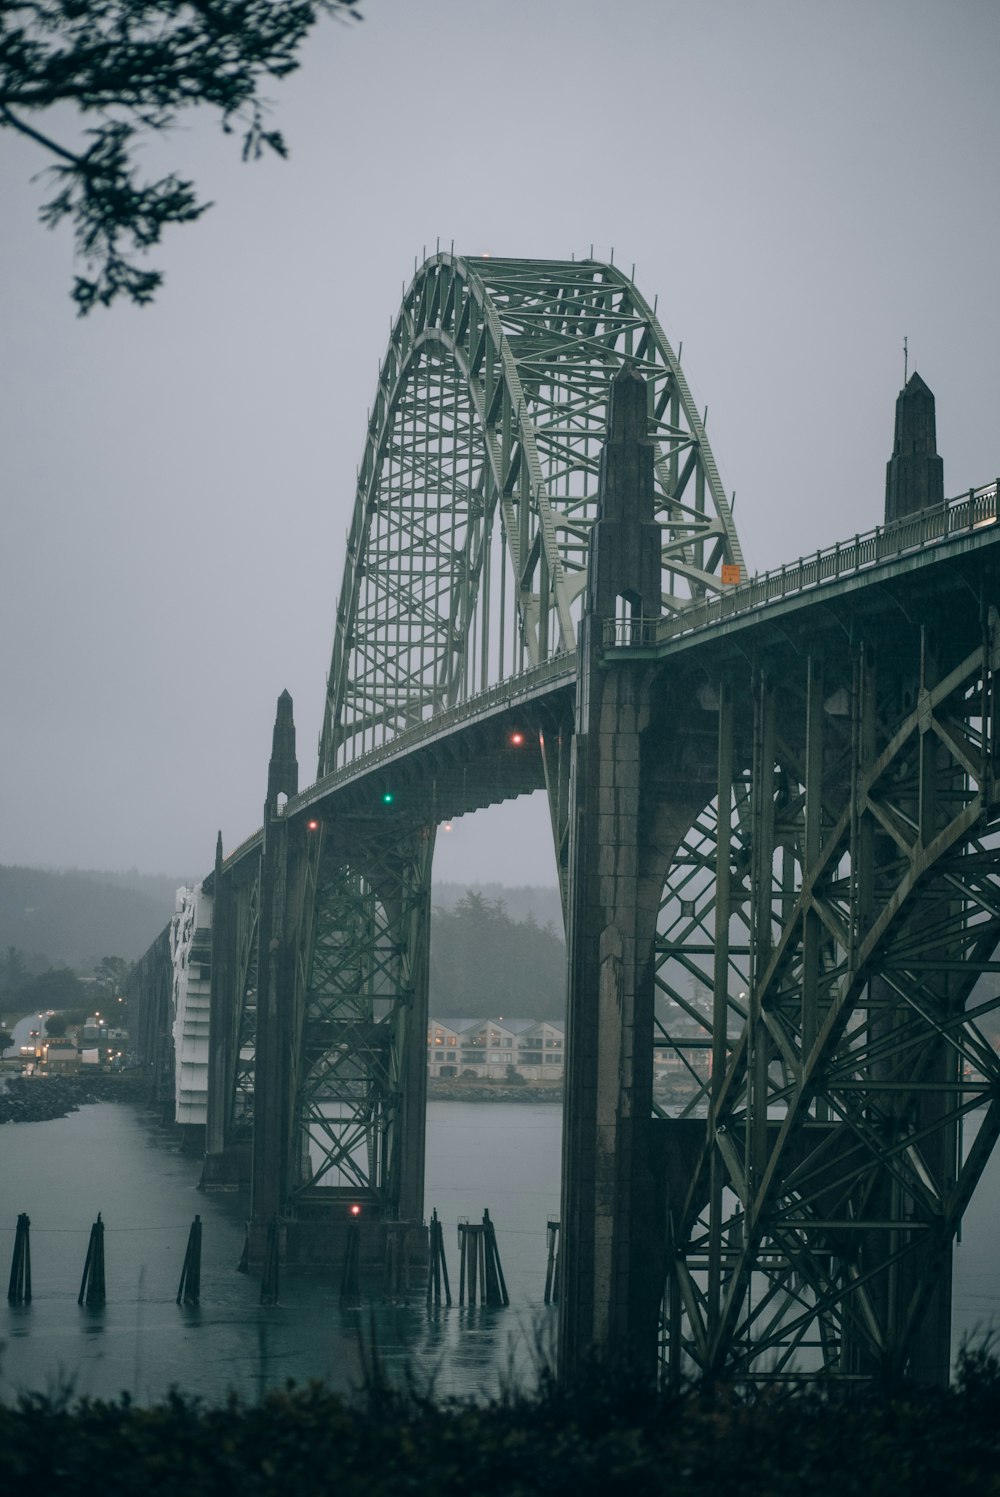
(277, 1030)
(612, 1233)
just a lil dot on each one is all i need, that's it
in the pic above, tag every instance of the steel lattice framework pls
(466, 562)
(825, 959)
(466, 557)
(813, 787)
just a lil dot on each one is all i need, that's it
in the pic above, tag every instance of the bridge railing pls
(968, 512)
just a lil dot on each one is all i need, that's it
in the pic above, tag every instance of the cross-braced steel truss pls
(466, 558)
(365, 1014)
(832, 959)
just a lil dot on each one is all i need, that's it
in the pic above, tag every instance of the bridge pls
(774, 808)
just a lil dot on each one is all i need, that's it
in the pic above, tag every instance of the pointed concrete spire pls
(914, 475)
(624, 559)
(283, 770)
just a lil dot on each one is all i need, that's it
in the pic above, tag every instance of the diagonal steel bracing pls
(478, 486)
(815, 773)
(856, 904)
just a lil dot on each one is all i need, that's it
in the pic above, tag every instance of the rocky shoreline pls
(486, 1091)
(38, 1099)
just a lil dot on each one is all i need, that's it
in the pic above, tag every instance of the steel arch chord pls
(466, 557)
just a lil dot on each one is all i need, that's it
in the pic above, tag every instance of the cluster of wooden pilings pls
(479, 1264)
(480, 1271)
(93, 1284)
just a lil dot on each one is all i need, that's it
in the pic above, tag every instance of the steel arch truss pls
(856, 893)
(466, 557)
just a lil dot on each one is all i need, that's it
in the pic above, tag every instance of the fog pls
(801, 185)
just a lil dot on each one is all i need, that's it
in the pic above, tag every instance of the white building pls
(488, 1047)
(191, 954)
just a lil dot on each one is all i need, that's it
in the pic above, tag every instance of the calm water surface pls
(117, 1160)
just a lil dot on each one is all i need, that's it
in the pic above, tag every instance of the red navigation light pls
(447, 826)
(517, 738)
(312, 826)
(355, 1211)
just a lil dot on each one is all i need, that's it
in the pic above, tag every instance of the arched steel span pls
(466, 557)
(818, 807)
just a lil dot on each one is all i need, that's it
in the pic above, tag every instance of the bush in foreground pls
(601, 1438)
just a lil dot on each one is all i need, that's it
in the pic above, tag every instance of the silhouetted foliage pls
(604, 1434)
(484, 964)
(132, 66)
(56, 1026)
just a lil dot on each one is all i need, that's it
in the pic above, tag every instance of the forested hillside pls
(493, 950)
(77, 917)
(485, 964)
(536, 900)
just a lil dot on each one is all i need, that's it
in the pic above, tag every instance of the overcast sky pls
(801, 184)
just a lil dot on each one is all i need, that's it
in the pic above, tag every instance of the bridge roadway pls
(775, 813)
(475, 733)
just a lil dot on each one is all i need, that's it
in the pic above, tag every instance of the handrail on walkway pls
(966, 513)
(963, 514)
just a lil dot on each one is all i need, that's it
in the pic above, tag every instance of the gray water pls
(117, 1160)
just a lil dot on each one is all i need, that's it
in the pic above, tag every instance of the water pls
(117, 1160)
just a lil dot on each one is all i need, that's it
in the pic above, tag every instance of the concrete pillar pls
(914, 475)
(276, 1030)
(612, 1234)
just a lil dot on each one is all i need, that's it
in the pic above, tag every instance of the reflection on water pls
(116, 1161)
(113, 1160)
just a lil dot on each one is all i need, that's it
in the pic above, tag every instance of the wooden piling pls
(496, 1284)
(19, 1289)
(437, 1267)
(189, 1288)
(552, 1265)
(92, 1285)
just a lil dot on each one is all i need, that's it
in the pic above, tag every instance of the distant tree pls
(13, 972)
(57, 988)
(111, 973)
(56, 1026)
(132, 66)
(6, 1040)
(484, 964)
